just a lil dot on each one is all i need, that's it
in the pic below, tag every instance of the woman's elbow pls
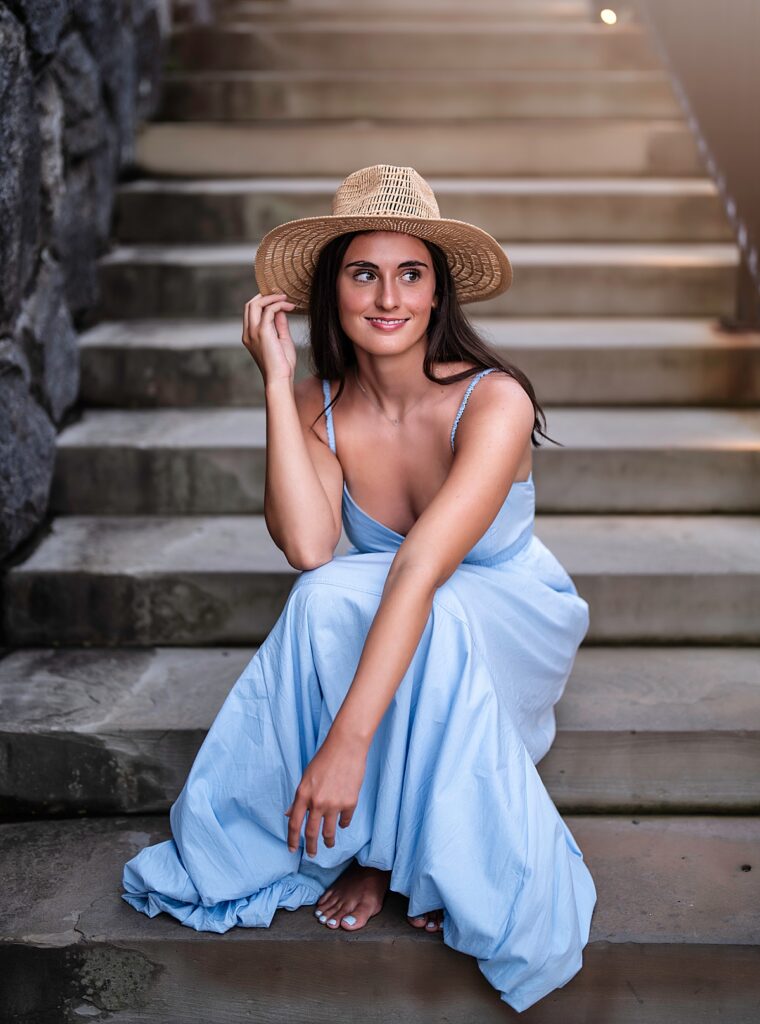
(304, 564)
(303, 558)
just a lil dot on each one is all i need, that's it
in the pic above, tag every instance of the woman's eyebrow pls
(374, 266)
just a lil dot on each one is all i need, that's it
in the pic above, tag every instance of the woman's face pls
(386, 289)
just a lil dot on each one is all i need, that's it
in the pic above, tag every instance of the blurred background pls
(145, 148)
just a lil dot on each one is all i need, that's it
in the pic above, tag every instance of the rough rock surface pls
(76, 76)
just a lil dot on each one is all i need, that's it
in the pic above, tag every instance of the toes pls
(328, 907)
(434, 921)
(327, 917)
(358, 914)
(356, 917)
(431, 921)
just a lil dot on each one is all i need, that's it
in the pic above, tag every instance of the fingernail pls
(349, 919)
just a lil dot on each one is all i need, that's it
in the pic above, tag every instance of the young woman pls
(385, 734)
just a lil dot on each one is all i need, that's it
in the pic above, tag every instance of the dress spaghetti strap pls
(329, 417)
(463, 403)
(328, 413)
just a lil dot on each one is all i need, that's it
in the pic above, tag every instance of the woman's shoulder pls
(492, 384)
(308, 391)
(500, 398)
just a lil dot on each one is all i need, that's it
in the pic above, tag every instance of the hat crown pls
(385, 191)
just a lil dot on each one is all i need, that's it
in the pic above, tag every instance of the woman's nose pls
(387, 297)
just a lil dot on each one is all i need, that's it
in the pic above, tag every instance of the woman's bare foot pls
(354, 898)
(432, 921)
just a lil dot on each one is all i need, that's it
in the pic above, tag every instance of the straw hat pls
(381, 198)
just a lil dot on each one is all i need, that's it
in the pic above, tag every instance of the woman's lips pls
(385, 323)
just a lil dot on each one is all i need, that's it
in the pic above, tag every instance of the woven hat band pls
(385, 191)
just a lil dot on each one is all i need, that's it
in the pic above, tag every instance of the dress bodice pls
(510, 531)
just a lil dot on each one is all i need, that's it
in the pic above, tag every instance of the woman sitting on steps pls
(386, 733)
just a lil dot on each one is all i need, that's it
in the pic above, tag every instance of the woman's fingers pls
(254, 310)
(311, 835)
(328, 829)
(297, 812)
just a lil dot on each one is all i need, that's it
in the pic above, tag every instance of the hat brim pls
(287, 255)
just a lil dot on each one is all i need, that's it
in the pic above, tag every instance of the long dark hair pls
(451, 336)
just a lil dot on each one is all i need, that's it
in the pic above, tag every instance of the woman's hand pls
(329, 787)
(267, 337)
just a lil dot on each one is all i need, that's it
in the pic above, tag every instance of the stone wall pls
(76, 77)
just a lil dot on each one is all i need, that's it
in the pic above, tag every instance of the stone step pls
(666, 279)
(570, 362)
(639, 729)
(511, 11)
(674, 939)
(518, 209)
(213, 461)
(542, 147)
(193, 580)
(412, 43)
(435, 95)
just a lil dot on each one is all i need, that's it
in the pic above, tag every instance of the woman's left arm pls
(490, 444)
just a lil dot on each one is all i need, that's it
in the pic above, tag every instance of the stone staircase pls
(129, 620)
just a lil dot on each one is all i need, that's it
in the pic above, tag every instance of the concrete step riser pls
(183, 581)
(142, 366)
(169, 215)
(168, 983)
(141, 771)
(673, 939)
(196, 609)
(144, 480)
(166, 289)
(206, 98)
(375, 46)
(586, 147)
(262, 12)
(116, 731)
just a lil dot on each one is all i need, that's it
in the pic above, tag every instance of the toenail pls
(323, 918)
(332, 921)
(430, 924)
(349, 919)
(317, 913)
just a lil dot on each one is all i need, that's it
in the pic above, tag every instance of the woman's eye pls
(368, 275)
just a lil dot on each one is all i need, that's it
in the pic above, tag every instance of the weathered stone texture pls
(44, 21)
(75, 78)
(19, 169)
(27, 450)
(49, 340)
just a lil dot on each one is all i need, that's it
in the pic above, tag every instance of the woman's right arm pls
(304, 481)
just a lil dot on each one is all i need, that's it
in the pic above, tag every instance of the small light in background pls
(608, 16)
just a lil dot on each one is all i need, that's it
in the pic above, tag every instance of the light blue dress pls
(451, 802)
